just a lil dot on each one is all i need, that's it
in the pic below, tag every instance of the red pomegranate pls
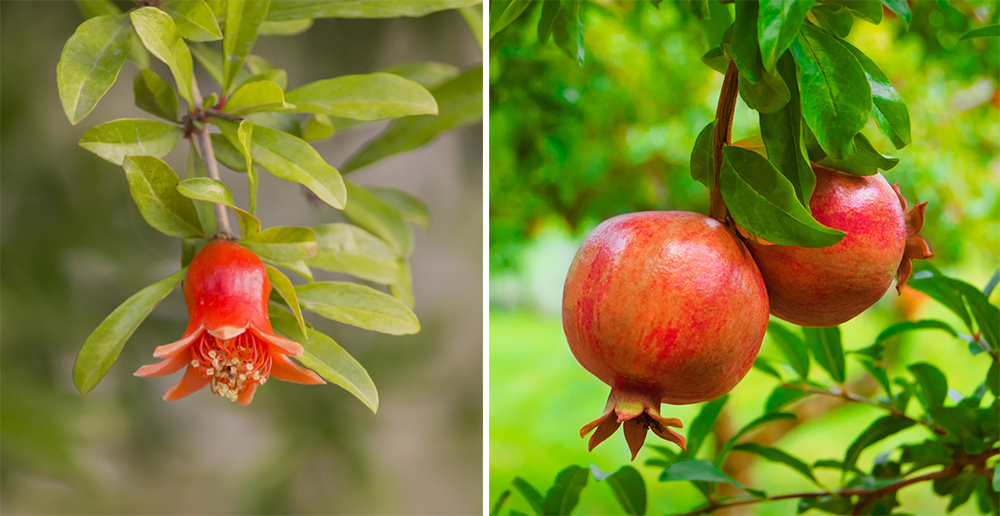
(663, 307)
(827, 286)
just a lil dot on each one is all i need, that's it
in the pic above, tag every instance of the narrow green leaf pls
(930, 281)
(283, 244)
(351, 250)
(103, 346)
(763, 202)
(792, 347)
(375, 96)
(211, 61)
(775, 455)
(242, 19)
(549, 12)
(990, 31)
(502, 12)
(828, 351)
(498, 505)
(753, 425)
(564, 494)
(317, 127)
(901, 8)
(402, 288)
(783, 137)
(932, 383)
(778, 23)
(836, 97)
(877, 372)
(384, 221)
(530, 494)
(743, 46)
(473, 16)
(90, 62)
(702, 425)
(298, 9)
(286, 290)
(211, 190)
(696, 469)
(228, 154)
(245, 136)
(703, 157)
(905, 326)
(868, 10)
(154, 95)
(993, 379)
(835, 19)
(206, 212)
(194, 20)
(877, 431)
(411, 208)
(567, 31)
(954, 294)
(324, 356)
(865, 161)
(780, 397)
(358, 305)
(159, 34)
(888, 108)
(298, 266)
(154, 188)
(253, 97)
(627, 485)
(992, 284)
(130, 136)
(284, 28)
(763, 364)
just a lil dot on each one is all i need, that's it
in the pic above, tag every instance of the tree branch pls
(208, 156)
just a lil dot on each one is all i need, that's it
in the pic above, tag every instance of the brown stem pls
(841, 393)
(224, 116)
(208, 156)
(723, 136)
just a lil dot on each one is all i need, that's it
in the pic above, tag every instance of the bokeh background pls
(573, 145)
(74, 246)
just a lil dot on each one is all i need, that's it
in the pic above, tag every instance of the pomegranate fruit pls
(827, 286)
(664, 307)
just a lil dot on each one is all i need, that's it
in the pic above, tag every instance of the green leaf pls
(138, 53)
(257, 96)
(429, 74)
(473, 16)
(628, 487)
(282, 244)
(159, 34)
(228, 154)
(990, 31)
(993, 379)
(768, 95)
(954, 293)
(297, 9)
(564, 494)
(888, 108)
(716, 59)
(95, 8)
(103, 346)
(905, 326)
(530, 494)
(696, 469)
(743, 46)
(351, 250)
(703, 157)
(292, 159)
(402, 288)
(502, 12)
(211, 61)
(567, 30)
(778, 23)
(286, 290)
(836, 97)
(865, 161)
(882, 427)
(358, 305)
(835, 19)
(932, 383)
(317, 127)
(324, 356)
(211, 190)
(775, 455)
(154, 95)
(780, 397)
(411, 208)
(868, 10)
(384, 221)
(154, 188)
(699, 8)
(828, 351)
(498, 505)
(877, 372)
(375, 96)
(763, 364)
(90, 62)
(930, 281)
(702, 425)
(298, 266)
(242, 19)
(756, 423)
(245, 136)
(206, 212)
(284, 28)
(130, 136)
(783, 136)
(901, 8)
(763, 202)
(194, 20)
(460, 103)
(792, 347)
(277, 76)
(549, 12)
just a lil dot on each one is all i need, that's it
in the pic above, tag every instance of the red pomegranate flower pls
(229, 344)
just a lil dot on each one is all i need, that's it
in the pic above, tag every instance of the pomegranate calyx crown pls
(916, 247)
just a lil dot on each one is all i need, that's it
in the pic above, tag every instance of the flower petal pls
(166, 366)
(247, 395)
(283, 368)
(287, 347)
(191, 382)
(227, 332)
(168, 350)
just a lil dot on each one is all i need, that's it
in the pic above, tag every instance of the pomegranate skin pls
(663, 307)
(830, 285)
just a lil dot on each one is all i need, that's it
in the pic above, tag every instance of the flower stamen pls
(223, 360)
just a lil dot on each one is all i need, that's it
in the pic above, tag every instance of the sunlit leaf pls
(242, 19)
(297, 9)
(371, 213)
(358, 305)
(282, 244)
(256, 96)
(90, 62)
(154, 95)
(375, 96)
(130, 136)
(154, 188)
(159, 34)
(194, 20)
(211, 190)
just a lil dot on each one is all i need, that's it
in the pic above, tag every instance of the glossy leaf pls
(378, 217)
(865, 161)
(283, 286)
(932, 383)
(159, 34)
(502, 12)
(154, 95)
(284, 28)
(703, 157)
(90, 62)
(763, 202)
(836, 97)
(358, 305)
(375, 96)
(868, 10)
(627, 485)
(905, 326)
(130, 136)
(257, 96)
(835, 19)
(990, 31)
(351, 250)
(702, 425)
(930, 281)
(194, 20)
(743, 46)
(282, 244)
(882, 428)
(778, 23)
(298, 9)
(103, 346)
(567, 31)
(901, 8)
(954, 294)
(411, 208)
(776, 455)
(211, 61)
(154, 188)
(211, 190)
(696, 469)
(888, 108)
(549, 12)
(769, 95)
(324, 356)
(783, 137)
(242, 19)
(564, 494)
(828, 351)
(792, 347)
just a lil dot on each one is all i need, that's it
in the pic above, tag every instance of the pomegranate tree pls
(664, 307)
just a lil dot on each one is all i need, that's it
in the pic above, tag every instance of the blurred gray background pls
(73, 246)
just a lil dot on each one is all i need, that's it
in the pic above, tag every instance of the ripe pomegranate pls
(663, 307)
(827, 286)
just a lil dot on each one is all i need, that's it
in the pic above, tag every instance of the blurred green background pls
(74, 246)
(571, 146)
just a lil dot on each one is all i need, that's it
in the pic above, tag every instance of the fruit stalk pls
(723, 136)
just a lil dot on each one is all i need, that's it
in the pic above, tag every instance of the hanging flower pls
(229, 344)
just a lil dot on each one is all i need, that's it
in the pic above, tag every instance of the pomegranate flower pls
(229, 344)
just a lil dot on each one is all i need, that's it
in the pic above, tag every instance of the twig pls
(723, 136)
(208, 156)
(225, 116)
(843, 394)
